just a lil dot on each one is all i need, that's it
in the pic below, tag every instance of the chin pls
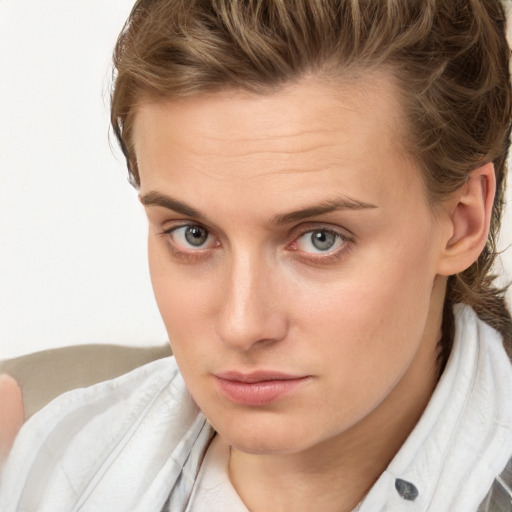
(264, 446)
(258, 438)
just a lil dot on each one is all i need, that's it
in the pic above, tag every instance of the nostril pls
(250, 328)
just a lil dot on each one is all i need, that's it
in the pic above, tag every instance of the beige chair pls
(44, 375)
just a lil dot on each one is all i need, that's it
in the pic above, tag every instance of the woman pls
(323, 182)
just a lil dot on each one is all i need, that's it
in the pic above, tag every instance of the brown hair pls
(450, 58)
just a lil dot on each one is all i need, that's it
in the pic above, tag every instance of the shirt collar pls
(464, 437)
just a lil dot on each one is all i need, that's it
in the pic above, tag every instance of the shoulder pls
(473, 333)
(120, 397)
(85, 431)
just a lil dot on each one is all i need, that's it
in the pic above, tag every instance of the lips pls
(257, 388)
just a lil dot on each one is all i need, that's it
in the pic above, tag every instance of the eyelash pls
(184, 255)
(194, 255)
(330, 255)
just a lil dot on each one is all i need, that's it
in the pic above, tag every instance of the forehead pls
(374, 96)
(311, 131)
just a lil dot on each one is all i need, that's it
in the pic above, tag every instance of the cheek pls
(370, 320)
(172, 291)
(382, 285)
(183, 301)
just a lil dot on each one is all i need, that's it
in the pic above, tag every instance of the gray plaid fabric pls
(499, 497)
(182, 488)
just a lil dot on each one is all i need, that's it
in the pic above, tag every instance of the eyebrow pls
(346, 203)
(158, 199)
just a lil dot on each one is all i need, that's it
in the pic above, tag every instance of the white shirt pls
(213, 490)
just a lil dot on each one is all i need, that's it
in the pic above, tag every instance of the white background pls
(72, 235)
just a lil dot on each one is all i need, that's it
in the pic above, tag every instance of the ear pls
(468, 214)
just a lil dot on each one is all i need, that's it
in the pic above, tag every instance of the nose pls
(250, 313)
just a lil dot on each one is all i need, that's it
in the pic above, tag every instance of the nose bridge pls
(249, 312)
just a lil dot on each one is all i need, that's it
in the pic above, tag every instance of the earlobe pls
(469, 219)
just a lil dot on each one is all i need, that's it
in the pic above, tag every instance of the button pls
(406, 490)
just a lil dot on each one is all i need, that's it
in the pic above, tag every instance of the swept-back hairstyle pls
(450, 59)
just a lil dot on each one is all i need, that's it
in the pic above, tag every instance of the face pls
(293, 257)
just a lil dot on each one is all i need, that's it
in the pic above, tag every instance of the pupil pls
(322, 240)
(196, 235)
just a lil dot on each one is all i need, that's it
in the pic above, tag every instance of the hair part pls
(449, 58)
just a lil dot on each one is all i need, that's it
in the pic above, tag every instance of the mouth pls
(257, 388)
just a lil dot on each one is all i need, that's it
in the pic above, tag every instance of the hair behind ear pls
(487, 300)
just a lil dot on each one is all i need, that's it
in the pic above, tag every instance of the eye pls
(319, 241)
(191, 236)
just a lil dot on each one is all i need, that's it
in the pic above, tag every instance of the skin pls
(11, 414)
(360, 320)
